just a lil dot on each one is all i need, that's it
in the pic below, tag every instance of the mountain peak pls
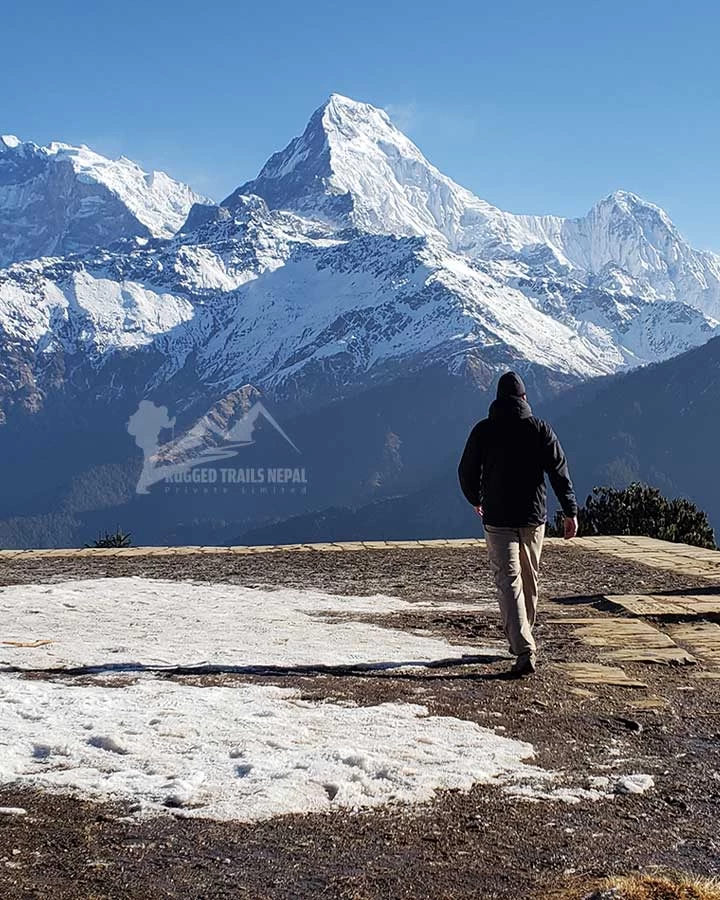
(622, 196)
(9, 142)
(340, 101)
(352, 167)
(61, 199)
(644, 214)
(339, 108)
(627, 200)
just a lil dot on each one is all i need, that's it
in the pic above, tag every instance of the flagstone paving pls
(702, 637)
(674, 605)
(649, 551)
(627, 640)
(594, 673)
(658, 554)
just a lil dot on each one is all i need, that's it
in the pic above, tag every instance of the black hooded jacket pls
(504, 464)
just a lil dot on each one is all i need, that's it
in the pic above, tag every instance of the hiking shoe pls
(524, 666)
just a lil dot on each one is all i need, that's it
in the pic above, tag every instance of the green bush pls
(109, 539)
(642, 510)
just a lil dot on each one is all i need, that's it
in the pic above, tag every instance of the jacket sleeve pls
(555, 464)
(470, 468)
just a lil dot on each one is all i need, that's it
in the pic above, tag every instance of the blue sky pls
(537, 107)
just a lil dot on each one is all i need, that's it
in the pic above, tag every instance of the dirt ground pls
(479, 844)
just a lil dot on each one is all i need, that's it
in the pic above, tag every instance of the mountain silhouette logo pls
(205, 442)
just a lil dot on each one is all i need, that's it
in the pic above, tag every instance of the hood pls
(510, 408)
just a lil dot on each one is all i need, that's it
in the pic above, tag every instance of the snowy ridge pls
(60, 199)
(156, 200)
(8, 142)
(267, 298)
(273, 305)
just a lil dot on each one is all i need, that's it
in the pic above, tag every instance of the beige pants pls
(515, 558)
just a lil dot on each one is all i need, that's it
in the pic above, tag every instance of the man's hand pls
(571, 527)
(479, 511)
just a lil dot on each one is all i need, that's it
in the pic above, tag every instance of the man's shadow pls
(354, 670)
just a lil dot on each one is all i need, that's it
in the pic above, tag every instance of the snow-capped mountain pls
(352, 166)
(349, 261)
(631, 246)
(267, 298)
(352, 285)
(60, 199)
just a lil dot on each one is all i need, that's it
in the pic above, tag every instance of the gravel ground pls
(479, 844)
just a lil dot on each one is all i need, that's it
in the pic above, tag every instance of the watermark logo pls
(185, 459)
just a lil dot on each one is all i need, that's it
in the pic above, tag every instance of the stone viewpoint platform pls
(335, 720)
(679, 628)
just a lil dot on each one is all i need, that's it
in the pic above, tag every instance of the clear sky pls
(539, 107)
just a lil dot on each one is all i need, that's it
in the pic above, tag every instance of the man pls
(502, 474)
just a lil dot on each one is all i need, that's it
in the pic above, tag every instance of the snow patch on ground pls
(246, 753)
(126, 623)
(633, 784)
(242, 752)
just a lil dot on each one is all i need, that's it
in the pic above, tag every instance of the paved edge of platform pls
(650, 551)
(243, 549)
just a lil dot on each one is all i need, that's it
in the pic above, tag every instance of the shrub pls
(109, 539)
(642, 510)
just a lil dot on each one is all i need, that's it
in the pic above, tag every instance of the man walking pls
(502, 474)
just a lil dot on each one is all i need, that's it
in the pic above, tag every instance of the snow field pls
(245, 751)
(136, 622)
